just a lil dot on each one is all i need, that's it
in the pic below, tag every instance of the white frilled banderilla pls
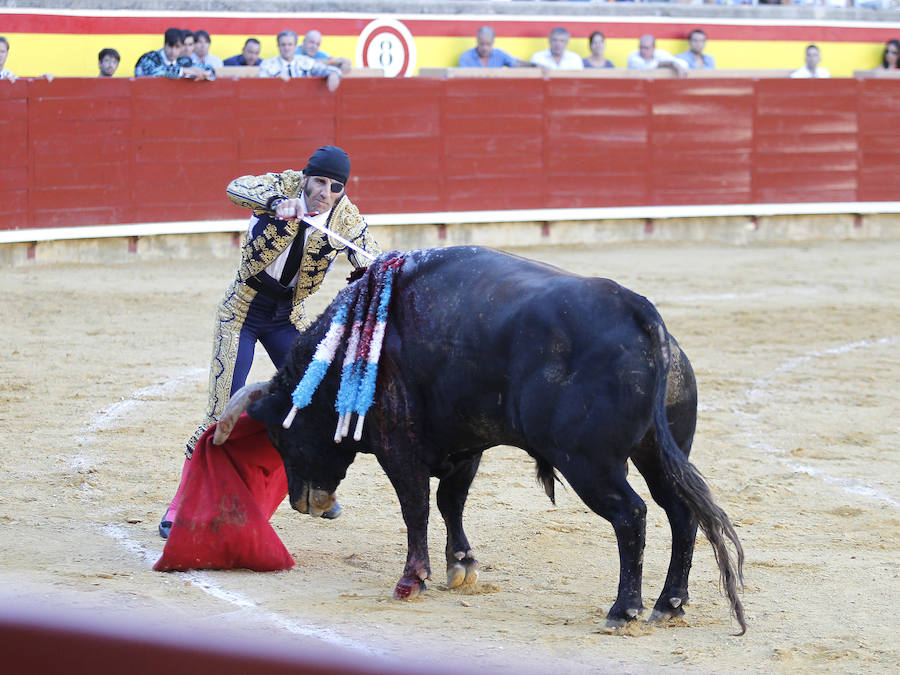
(369, 314)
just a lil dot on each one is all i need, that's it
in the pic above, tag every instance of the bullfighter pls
(284, 259)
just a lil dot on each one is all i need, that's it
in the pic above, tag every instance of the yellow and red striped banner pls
(66, 43)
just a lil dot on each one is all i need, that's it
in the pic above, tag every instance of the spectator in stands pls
(890, 59)
(288, 64)
(5, 74)
(310, 46)
(558, 57)
(484, 55)
(168, 61)
(201, 55)
(187, 44)
(648, 57)
(694, 57)
(811, 68)
(108, 62)
(597, 45)
(249, 56)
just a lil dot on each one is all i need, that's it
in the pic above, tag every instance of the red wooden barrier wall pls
(88, 152)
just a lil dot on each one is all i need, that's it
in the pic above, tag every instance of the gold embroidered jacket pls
(257, 193)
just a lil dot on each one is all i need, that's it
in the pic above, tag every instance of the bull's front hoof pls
(409, 588)
(464, 572)
(619, 618)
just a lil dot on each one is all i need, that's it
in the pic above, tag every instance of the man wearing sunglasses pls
(283, 261)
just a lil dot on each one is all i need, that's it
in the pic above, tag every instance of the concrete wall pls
(732, 230)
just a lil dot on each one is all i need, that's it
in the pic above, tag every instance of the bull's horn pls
(238, 403)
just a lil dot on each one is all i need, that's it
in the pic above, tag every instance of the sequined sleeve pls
(367, 243)
(257, 192)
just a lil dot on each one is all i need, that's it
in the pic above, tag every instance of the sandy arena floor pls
(796, 353)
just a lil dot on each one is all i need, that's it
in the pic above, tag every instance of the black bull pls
(484, 348)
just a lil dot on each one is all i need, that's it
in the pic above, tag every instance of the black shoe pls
(330, 514)
(165, 527)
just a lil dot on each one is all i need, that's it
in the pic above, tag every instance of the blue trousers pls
(268, 322)
(244, 318)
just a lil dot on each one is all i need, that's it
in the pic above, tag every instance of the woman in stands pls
(890, 59)
(597, 44)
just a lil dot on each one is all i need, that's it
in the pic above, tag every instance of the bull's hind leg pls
(605, 490)
(684, 532)
(462, 567)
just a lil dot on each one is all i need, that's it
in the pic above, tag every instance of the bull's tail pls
(689, 481)
(546, 477)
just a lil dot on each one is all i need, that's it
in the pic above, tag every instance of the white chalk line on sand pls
(759, 391)
(755, 295)
(208, 584)
(108, 418)
(111, 417)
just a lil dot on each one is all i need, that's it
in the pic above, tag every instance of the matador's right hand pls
(288, 208)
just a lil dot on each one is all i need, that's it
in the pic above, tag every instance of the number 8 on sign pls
(387, 44)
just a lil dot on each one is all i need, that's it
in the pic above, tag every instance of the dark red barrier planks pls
(14, 179)
(91, 151)
(879, 140)
(493, 144)
(392, 131)
(596, 143)
(81, 150)
(279, 124)
(701, 141)
(806, 141)
(184, 149)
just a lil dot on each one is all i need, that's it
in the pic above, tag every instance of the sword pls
(345, 242)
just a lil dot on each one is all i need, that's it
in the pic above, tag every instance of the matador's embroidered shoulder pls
(346, 220)
(256, 192)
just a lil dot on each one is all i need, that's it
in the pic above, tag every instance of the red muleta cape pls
(229, 495)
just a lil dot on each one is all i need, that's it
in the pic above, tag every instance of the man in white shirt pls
(288, 64)
(648, 57)
(811, 68)
(5, 74)
(558, 57)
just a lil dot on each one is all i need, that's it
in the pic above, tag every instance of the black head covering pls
(329, 161)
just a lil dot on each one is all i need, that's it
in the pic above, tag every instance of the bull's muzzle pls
(313, 501)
